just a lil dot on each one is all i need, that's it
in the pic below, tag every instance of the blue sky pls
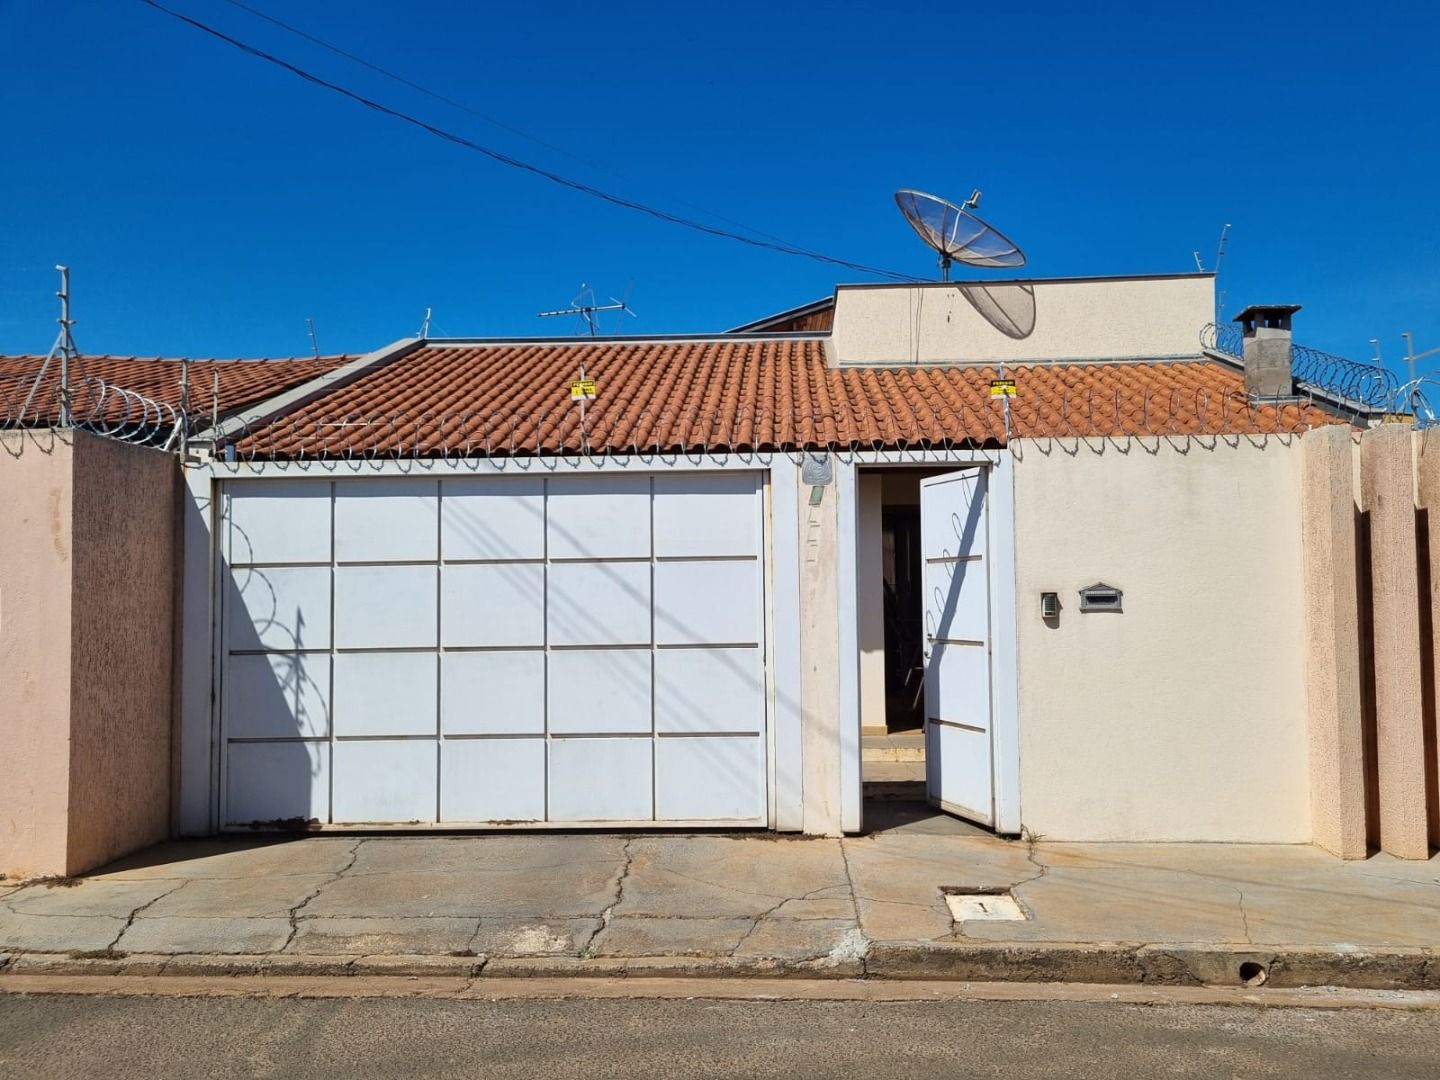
(209, 203)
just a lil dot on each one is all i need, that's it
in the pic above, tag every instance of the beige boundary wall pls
(1183, 717)
(1373, 572)
(87, 572)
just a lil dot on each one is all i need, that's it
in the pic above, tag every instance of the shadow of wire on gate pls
(275, 729)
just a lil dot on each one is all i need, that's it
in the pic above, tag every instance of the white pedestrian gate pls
(959, 756)
(493, 649)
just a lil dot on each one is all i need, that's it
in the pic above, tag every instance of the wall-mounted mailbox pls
(1101, 597)
(1049, 605)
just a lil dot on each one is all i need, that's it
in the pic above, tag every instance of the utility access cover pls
(970, 907)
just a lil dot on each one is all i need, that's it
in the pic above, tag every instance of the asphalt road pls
(63, 1036)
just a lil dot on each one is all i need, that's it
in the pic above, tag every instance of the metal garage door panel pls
(709, 779)
(385, 694)
(385, 780)
(707, 602)
(277, 781)
(709, 690)
(599, 517)
(599, 603)
(388, 519)
(492, 693)
(277, 696)
(958, 769)
(706, 514)
(493, 604)
(957, 604)
(516, 626)
(278, 607)
(600, 779)
(492, 780)
(957, 684)
(492, 518)
(385, 607)
(280, 521)
(960, 528)
(594, 691)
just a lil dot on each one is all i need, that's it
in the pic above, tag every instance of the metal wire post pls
(67, 346)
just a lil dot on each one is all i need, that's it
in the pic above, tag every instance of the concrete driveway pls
(729, 902)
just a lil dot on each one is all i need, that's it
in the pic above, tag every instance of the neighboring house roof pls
(735, 394)
(816, 316)
(240, 382)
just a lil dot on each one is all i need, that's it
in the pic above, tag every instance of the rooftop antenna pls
(585, 306)
(1219, 258)
(425, 325)
(314, 342)
(955, 233)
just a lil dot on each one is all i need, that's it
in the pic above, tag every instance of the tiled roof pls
(743, 394)
(241, 382)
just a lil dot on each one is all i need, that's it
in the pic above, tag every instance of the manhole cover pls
(969, 907)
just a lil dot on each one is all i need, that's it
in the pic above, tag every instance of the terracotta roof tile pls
(745, 394)
(240, 382)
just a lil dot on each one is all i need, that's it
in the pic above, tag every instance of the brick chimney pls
(1267, 349)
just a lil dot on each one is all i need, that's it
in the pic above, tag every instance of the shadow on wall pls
(1009, 308)
(277, 713)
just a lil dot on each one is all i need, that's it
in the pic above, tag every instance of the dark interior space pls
(904, 638)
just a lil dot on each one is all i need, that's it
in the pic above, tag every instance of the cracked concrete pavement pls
(520, 903)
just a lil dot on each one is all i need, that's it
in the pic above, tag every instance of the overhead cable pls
(525, 166)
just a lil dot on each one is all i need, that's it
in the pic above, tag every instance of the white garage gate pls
(493, 649)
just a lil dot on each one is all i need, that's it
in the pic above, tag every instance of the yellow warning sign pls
(582, 390)
(1002, 387)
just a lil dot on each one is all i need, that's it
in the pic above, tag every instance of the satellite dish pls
(956, 233)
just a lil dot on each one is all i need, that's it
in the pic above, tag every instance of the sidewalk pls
(749, 904)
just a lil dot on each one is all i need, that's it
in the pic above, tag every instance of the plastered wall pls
(86, 614)
(122, 620)
(1184, 716)
(986, 322)
(35, 571)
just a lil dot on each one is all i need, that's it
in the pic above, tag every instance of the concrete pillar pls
(1427, 471)
(1332, 626)
(819, 658)
(36, 491)
(870, 594)
(1387, 491)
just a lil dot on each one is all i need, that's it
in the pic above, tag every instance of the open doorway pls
(890, 569)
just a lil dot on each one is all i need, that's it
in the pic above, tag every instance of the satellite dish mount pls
(956, 233)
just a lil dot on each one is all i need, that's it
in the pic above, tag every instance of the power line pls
(402, 80)
(525, 166)
(305, 35)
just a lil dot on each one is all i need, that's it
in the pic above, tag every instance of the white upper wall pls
(1016, 321)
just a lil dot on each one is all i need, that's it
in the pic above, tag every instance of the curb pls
(1109, 963)
(1162, 965)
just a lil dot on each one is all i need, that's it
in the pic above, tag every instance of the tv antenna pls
(425, 324)
(314, 341)
(1219, 260)
(589, 311)
(956, 233)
